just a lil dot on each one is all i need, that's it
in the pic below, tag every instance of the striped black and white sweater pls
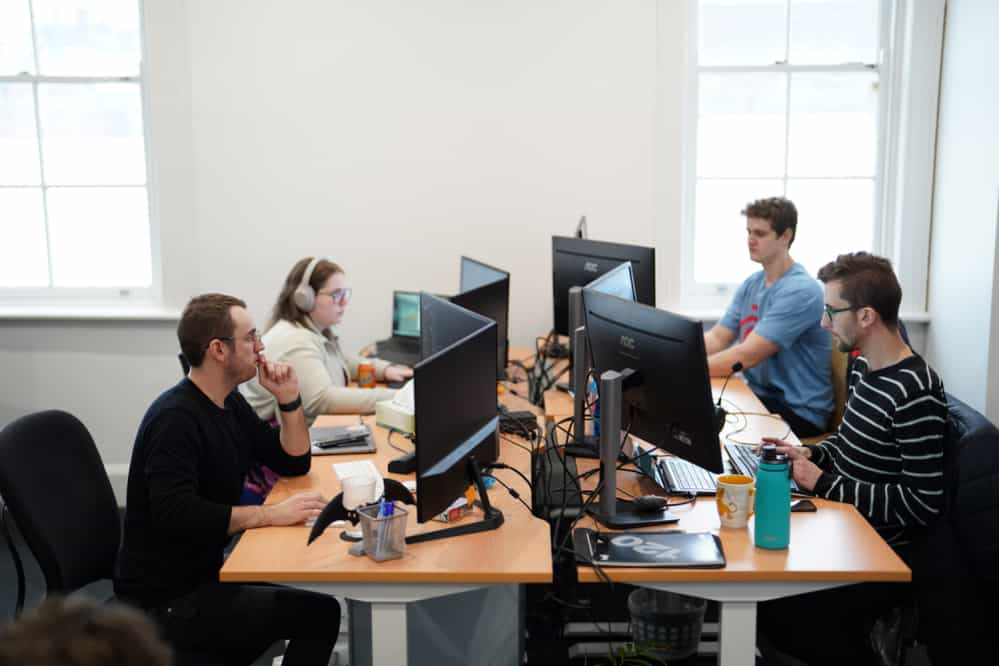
(886, 457)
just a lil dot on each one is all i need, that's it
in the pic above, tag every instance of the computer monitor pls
(577, 262)
(618, 281)
(486, 290)
(665, 392)
(455, 412)
(668, 400)
(406, 314)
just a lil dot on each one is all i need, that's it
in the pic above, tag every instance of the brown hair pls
(866, 281)
(778, 211)
(205, 318)
(81, 632)
(285, 307)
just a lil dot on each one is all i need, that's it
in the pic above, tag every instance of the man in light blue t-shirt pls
(772, 326)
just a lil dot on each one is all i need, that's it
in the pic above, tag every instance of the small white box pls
(389, 414)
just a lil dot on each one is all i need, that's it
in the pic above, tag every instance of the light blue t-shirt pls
(789, 314)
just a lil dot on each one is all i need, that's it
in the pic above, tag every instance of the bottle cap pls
(769, 455)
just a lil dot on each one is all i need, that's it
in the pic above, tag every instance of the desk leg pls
(388, 633)
(737, 633)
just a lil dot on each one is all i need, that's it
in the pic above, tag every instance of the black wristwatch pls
(291, 406)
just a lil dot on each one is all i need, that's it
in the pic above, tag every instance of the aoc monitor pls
(576, 262)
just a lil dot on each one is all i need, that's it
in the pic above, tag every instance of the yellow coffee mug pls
(735, 498)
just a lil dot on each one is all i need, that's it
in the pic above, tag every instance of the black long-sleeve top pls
(187, 470)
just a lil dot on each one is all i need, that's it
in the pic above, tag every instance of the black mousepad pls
(698, 550)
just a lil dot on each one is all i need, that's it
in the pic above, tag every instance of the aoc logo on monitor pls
(591, 266)
(628, 342)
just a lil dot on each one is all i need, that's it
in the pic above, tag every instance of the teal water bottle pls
(773, 500)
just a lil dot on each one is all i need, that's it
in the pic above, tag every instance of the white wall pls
(389, 136)
(963, 338)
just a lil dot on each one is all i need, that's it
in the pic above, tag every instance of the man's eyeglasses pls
(338, 295)
(253, 337)
(830, 310)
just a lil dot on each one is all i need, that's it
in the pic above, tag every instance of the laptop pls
(341, 440)
(680, 476)
(404, 345)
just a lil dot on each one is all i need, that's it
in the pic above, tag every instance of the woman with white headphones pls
(313, 299)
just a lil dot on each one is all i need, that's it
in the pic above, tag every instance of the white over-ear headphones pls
(305, 295)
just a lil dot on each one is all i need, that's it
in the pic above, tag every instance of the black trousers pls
(235, 623)
(799, 426)
(829, 627)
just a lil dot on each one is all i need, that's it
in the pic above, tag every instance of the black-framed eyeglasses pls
(253, 337)
(829, 310)
(338, 295)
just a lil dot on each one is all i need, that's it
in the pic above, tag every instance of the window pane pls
(87, 37)
(741, 125)
(721, 254)
(735, 32)
(834, 124)
(832, 32)
(92, 134)
(100, 237)
(18, 138)
(23, 258)
(834, 216)
(15, 38)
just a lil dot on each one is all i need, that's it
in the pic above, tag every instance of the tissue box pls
(389, 414)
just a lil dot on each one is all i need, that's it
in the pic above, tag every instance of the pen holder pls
(384, 536)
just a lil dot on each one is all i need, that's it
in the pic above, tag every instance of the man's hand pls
(806, 473)
(278, 378)
(397, 373)
(788, 449)
(295, 510)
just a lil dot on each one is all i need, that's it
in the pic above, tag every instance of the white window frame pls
(911, 44)
(74, 302)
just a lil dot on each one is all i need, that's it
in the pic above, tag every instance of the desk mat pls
(697, 550)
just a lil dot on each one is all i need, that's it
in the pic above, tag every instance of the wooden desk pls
(833, 547)
(518, 552)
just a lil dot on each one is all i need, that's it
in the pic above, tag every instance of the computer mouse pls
(649, 503)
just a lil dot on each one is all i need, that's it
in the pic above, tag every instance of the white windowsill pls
(88, 313)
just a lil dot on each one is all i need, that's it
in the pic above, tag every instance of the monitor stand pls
(492, 519)
(610, 511)
(581, 445)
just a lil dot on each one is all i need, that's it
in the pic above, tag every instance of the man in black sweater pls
(193, 449)
(886, 457)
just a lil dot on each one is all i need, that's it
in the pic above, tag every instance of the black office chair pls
(956, 572)
(54, 485)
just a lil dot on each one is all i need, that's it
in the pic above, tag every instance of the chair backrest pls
(55, 486)
(973, 487)
(956, 570)
(840, 360)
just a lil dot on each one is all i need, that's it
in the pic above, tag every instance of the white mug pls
(357, 491)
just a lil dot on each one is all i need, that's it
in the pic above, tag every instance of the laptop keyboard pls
(743, 458)
(682, 476)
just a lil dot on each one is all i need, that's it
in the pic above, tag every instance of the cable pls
(499, 465)
(513, 493)
(515, 443)
(392, 431)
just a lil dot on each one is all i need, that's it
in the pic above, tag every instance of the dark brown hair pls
(205, 318)
(778, 211)
(866, 280)
(81, 632)
(285, 307)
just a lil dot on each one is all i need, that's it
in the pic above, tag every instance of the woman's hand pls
(398, 373)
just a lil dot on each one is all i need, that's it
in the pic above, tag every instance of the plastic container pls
(666, 625)
(384, 537)
(773, 500)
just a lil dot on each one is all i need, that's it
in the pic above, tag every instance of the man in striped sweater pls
(886, 457)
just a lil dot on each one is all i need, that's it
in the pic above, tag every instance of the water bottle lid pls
(769, 455)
